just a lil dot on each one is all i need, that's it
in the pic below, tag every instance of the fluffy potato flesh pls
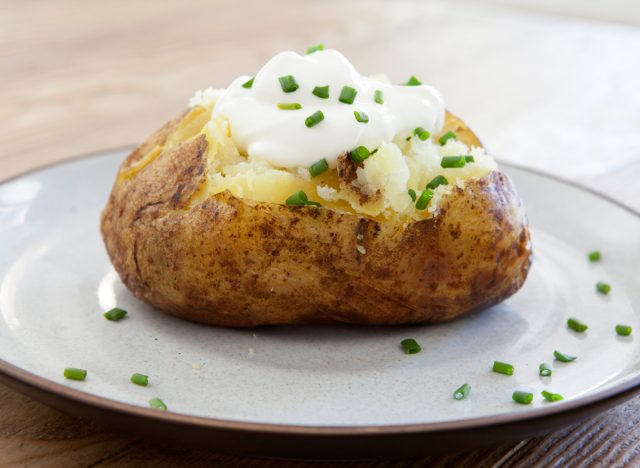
(218, 258)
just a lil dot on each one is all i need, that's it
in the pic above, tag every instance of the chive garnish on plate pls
(502, 368)
(315, 48)
(446, 137)
(361, 117)
(318, 168)
(378, 96)
(577, 325)
(521, 397)
(412, 194)
(623, 330)
(249, 83)
(115, 314)
(321, 91)
(545, 370)
(551, 396)
(157, 403)
(437, 181)
(421, 133)
(140, 379)
(462, 392)
(413, 81)
(314, 119)
(288, 83)
(300, 199)
(289, 105)
(347, 95)
(424, 199)
(563, 357)
(453, 161)
(410, 346)
(359, 154)
(603, 287)
(594, 256)
(74, 373)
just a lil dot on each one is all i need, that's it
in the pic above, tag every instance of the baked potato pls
(188, 241)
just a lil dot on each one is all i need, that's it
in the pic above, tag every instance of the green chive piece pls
(413, 81)
(315, 48)
(288, 83)
(502, 368)
(623, 330)
(289, 106)
(321, 91)
(437, 181)
(462, 392)
(551, 396)
(595, 256)
(410, 346)
(545, 370)
(421, 133)
(412, 194)
(577, 325)
(318, 168)
(248, 84)
(424, 199)
(297, 199)
(314, 119)
(378, 96)
(140, 379)
(524, 398)
(453, 161)
(115, 314)
(74, 373)
(359, 154)
(563, 357)
(469, 159)
(603, 288)
(157, 403)
(446, 137)
(347, 95)
(361, 117)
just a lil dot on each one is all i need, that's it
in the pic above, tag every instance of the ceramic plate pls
(321, 392)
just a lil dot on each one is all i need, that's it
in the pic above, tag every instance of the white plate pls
(56, 281)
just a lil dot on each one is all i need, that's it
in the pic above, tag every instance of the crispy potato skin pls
(234, 262)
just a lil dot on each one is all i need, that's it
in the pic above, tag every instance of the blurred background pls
(554, 85)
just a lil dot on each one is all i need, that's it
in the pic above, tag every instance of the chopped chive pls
(577, 325)
(437, 181)
(551, 396)
(603, 288)
(424, 199)
(410, 346)
(563, 357)
(545, 370)
(74, 373)
(321, 91)
(347, 95)
(502, 368)
(359, 154)
(469, 159)
(115, 314)
(375, 151)
(157, 403)
(318, 168)
(300, 199)
(314, 119)
(248, 84)
(361, 117)
(378, 96)
(446, 137)
(462, 392)
(453, 161)
(413, 81)
(595, 256)
(288, 83)
(421, 133)
(140, 379)
(623, 330)
(412, 194)
(521, 397)
(289, 106)
(315, 48)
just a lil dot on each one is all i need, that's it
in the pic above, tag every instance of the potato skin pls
(234, 262)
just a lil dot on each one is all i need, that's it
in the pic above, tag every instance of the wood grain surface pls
(82, 76)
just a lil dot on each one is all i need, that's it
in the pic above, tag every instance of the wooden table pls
(546, 88)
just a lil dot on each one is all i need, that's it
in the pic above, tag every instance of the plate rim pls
(43, 389)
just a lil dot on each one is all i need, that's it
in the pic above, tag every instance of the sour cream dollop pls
(262, 130)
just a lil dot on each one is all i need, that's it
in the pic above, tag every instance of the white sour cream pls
(262, 130)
